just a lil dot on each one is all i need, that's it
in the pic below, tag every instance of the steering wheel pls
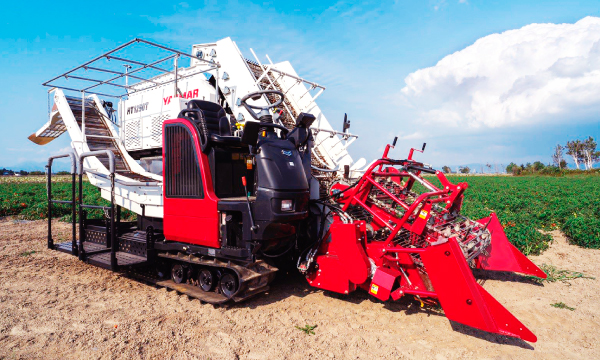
(284, 131)
(264, 110)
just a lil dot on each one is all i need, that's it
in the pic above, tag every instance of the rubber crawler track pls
(253, 278)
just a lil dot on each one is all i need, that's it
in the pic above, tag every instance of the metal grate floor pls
(123, 259)
(87, 246)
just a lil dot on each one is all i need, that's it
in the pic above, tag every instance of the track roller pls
(212, 280)
(179, 274)
(207, 279)
(228, 285)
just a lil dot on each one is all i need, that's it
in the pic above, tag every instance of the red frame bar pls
(366, 183)
(377, 185)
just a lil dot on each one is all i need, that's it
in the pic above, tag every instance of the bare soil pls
(53, 306)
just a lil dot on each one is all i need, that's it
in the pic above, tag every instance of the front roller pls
(462, 298)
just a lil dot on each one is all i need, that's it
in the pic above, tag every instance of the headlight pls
(287, 205)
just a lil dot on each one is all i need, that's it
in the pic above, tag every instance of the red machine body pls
(393, 241)
(184, 217)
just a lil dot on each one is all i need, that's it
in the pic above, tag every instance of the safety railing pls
(112, 240)
(71, 202)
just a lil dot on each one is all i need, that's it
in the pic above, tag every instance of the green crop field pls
(524, 204)
(26, 198)
(527, 204)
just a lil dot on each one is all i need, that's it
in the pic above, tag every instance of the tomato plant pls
(527, 204)
(28, 200)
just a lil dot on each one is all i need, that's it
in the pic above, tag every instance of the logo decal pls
(188, 95)
(137, 108)
(286, 152)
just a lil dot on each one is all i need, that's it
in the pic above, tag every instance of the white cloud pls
(439, 4)
(540, 72)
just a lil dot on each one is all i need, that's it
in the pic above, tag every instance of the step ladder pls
(108, 244)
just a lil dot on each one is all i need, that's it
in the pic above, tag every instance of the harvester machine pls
(234, 172)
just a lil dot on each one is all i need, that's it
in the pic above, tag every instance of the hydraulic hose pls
(338, 193)
(281, 254)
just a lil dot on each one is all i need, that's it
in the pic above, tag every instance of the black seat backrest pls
(214, 115)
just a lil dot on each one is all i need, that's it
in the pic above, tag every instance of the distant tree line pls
(5, 171)
(461, 169)
(582, 152)
(584, 156)
(529, 168)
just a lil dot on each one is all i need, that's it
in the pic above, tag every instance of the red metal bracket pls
(504, 256)
(463, 299)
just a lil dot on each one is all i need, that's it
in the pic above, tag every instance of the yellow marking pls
(374, 289)
(423, 214)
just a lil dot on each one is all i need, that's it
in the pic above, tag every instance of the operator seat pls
(214, 115)
(227, 155)
(217, 124)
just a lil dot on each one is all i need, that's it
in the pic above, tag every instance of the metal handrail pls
(118, 73)
(127, 74)
(108, 153)
(313, 84)
(73, 158)
(114, 242)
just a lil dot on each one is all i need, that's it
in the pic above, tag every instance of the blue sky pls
(363, 52)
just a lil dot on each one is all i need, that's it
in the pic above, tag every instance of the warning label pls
(374, 289)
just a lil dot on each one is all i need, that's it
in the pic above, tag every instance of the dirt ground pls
(53, 306)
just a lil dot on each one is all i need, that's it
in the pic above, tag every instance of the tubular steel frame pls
(112, 240)
(449, 195)
(71, 202)
(129, 89)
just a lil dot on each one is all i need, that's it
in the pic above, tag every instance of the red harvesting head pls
(409, 238)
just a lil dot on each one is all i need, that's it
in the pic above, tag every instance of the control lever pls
(412, 151)
(387, 149)
(254, 227)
